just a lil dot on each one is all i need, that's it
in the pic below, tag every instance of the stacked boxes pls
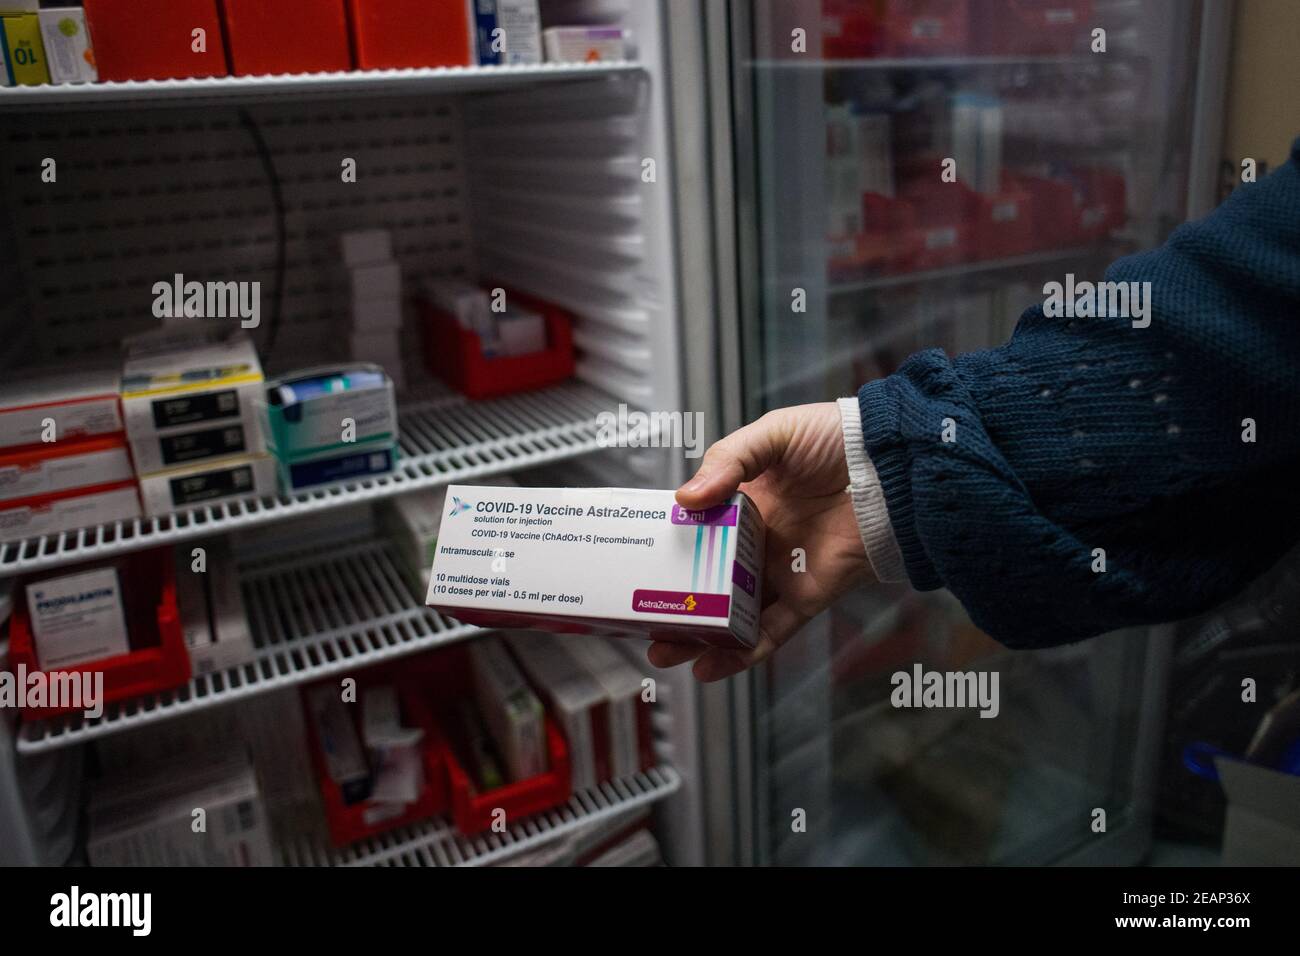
(332, 424)
(190, 397)
(64, 462)
(376, 330)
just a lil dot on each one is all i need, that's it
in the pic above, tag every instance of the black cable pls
(281, 229)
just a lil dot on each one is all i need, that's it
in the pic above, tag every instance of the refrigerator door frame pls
(736, 811)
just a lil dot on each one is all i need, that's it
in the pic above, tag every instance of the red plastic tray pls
(153, 39)
(392, 34)
(455, 354)
(445, 676)
(475, 812)
(287, 36)
(351, 822)
(158, 660)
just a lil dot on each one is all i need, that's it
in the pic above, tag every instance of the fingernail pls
(696, 483)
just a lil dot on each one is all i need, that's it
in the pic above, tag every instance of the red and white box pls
(77, 404)
(40, 471)
(82, 508)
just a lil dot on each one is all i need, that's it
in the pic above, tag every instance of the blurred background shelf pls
(851, 286)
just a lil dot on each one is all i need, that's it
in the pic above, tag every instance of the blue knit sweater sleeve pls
(1090, 474)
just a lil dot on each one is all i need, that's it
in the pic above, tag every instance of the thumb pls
(741, 456)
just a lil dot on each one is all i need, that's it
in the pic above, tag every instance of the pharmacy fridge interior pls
(698, 207)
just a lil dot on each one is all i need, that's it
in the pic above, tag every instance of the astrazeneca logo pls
(458, 507)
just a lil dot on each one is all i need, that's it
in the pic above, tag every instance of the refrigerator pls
(734, 216)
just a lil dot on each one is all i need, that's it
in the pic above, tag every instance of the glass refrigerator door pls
(910, 175)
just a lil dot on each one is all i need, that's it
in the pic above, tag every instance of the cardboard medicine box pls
(602, 561)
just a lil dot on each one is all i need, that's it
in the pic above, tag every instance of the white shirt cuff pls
(869, 500)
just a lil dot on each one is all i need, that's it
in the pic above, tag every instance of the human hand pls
(791, 463)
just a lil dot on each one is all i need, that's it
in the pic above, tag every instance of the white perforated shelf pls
(437, 843)
(444, 440)
(354, 82)
(309, 616)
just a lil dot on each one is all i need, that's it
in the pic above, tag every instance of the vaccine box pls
(63, 405)
(331, 409)
(190, 377)
(600, 561)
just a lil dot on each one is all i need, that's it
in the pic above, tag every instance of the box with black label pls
(188, 376)
(159, 452)
(203, 484)
(370, 461)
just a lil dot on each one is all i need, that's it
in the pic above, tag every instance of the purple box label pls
(681, 602)
(717, 515)
(742, 576)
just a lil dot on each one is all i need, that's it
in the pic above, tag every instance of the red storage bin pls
(455, 354)
(1033, 26)
(351, 822)
(444, 678)
(473, 812)
(287, 36)
(391, 34)
(927, 27)
(158, 659)
(153, 39)
(852, 29)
